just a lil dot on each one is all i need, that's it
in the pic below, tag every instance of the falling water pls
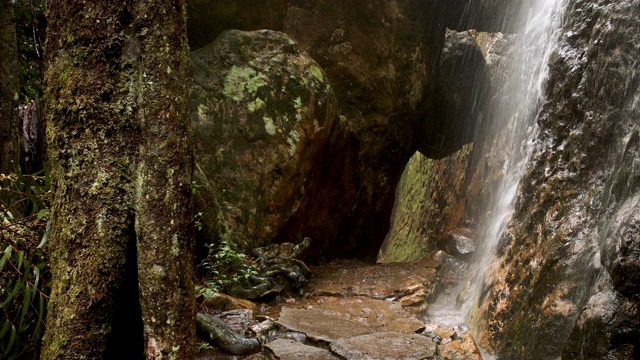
(513, 112)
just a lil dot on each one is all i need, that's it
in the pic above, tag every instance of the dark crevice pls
(126, 340)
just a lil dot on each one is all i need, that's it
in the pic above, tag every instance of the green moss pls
(406, 241)
(269, 126)
(240, 80)
(292, 140)
(317, 73)
(256, 105)
(297, 103)
(202, 111)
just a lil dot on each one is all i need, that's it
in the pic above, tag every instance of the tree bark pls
(9, 127)
(121, 157)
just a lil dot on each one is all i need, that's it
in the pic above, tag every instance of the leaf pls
(36, 274)
(45, 237)
(5, 327)
(42, 213)
(12, 338)
(26, 300)
(20, 259)
(5, 256)
(41, 303)
(16, 289)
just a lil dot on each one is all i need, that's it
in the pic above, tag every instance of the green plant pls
(226, 266)
(197, 218)
(30, 31)
(201, 347)
(24, 271)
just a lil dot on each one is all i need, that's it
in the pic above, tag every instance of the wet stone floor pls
(353, 310)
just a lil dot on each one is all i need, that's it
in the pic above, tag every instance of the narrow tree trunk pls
(163, 184)
(9, 127)
(120, 148)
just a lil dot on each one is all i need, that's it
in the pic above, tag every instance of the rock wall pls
(567, 282)
(209, 18)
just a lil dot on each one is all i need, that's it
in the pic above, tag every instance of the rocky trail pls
(353, 310)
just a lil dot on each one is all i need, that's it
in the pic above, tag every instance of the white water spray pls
(514, 111)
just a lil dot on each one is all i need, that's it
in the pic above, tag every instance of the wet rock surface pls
(354, 310)
(285, 349)
(570, 237)
(431, 201)
(385, 345)
(383, 281)
(318, 325)
(436, 197)
(359, 315)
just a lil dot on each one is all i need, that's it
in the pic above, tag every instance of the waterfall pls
(512, 132)
(508, 137)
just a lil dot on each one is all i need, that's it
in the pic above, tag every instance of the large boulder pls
(262, 114)
(385, 73)
(430, 202)
(381, 70)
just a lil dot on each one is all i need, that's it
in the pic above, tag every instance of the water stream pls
(514, 111)
(510, 136)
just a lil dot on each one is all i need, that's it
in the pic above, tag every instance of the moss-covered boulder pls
(262, 112)
(431, 200)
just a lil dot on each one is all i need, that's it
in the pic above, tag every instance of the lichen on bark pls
(9, 127)
(119, 139)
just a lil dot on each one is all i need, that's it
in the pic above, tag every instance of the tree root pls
(225, 338)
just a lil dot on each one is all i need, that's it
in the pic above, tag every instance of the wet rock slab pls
(334, 317)
(385, 345)
(286, 349)
(319, 325)
(380, 281)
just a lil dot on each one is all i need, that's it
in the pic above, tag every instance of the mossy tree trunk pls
(9, 127)
(121, 156)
